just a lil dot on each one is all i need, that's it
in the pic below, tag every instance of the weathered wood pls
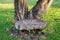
(30, 24)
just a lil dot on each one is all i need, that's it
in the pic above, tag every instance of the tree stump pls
(29, 23)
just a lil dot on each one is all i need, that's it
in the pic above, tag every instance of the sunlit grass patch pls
(52, 13)
(6, 6)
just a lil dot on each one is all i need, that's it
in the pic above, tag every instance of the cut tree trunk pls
(30, 24)
(29, 19)
(24, 20)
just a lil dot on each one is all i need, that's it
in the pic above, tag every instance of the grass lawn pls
(52, 17)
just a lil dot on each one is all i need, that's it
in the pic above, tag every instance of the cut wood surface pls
(30, 24)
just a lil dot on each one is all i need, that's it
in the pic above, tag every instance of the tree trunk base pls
(28, 29)
(27, 35)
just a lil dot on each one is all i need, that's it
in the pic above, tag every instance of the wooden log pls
(30, 24)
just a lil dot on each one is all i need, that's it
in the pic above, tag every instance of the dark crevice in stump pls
(28, 35)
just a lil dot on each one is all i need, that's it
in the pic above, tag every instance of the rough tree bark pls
(21, 9)
(16, 10)
(35, 13)
(40, 7)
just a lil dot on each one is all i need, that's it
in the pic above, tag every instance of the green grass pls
(52, 17)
